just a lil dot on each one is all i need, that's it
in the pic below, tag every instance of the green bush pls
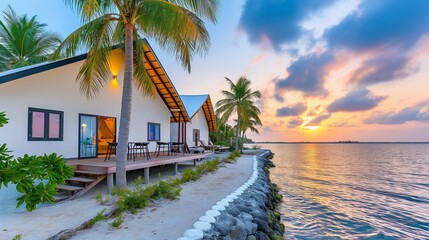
(137, 198)
(48, 170)
(232, 157)
(140, 197)
(118, 221)
(208, 166)
(99, 217)
(167, 189)
(190, 175)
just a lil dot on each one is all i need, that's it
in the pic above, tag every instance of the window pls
(45, 125)
(153, 131)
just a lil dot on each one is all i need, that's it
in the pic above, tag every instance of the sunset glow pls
(328, 71)
(312, 128)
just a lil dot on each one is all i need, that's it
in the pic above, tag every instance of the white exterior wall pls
(199, 121)
(56, 89)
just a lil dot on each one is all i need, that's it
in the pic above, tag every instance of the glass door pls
(87, 136)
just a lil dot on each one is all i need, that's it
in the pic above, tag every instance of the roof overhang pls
(210, 115)
(162, 82)
(164, 86)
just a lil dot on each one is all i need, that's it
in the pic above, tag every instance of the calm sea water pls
(353, 191)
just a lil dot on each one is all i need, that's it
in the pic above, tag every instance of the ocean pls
(353, 191)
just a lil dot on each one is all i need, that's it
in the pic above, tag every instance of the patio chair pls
(209, 147)
(220, 148)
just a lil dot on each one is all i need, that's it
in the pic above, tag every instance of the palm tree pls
(175, 25)
(24, 41)
(240, 100)
(249, 124)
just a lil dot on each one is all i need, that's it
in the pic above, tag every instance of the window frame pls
(46, 124)
(148, 132)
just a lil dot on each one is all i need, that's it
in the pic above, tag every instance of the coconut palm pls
(175, 24)
(239, 100)
(24, 41)
(249, 124)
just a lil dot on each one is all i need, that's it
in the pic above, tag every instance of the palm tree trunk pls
(124, 125)
(237, 132)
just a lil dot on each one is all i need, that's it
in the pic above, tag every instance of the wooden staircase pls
(85, 177)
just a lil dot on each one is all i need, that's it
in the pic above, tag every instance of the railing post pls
(109, 183)
(146, 175)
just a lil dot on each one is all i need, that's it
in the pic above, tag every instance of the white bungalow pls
(203, 121)
(48, 112)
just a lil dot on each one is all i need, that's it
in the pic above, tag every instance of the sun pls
(312, 128)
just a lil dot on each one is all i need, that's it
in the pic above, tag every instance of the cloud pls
(382, 67)
(296, 122)
(293, 110)
(306, 75)
(278, 20)
(418, 113)
(378, 23)
(387, 29)
(318, 120)
(385, 33)
(279, 98)
(357, 100)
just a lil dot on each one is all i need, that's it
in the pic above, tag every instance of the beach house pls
(203, 121)
(48, 112)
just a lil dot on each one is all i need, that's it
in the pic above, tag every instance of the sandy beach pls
(163, 220)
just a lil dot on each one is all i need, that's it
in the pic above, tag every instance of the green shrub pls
(232, 157)
(208, 166)
(190, 175)
(167, 189)
(97, 218)
(135, 199)
(48, 170)
(17, 237)
(3, 119)
(99, 198)
(118, 221)
(140, 197)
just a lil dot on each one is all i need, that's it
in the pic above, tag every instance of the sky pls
(328, 70)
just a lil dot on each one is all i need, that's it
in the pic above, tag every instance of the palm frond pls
(142, 80)
(175, 28)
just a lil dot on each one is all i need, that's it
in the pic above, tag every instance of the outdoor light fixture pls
(114, 82)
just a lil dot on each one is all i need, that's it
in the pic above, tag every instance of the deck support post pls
(195, 162)
(176, 168)
(109, 183)
(146, 175)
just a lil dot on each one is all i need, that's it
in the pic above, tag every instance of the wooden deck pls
(96, 169)
(109, 166)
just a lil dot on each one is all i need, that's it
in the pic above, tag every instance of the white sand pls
(166, 220)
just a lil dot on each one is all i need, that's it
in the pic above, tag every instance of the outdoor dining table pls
(140, 148)
(165, 146)
(132, 149)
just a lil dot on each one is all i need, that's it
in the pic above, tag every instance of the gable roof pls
(163, 84)
(193, 103)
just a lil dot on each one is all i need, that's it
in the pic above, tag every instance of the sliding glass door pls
(87, 136)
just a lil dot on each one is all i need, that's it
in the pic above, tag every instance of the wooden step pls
(89, 172)
(81, 179)
(69, 188)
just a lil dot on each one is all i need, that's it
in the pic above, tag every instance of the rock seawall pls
(253, 214)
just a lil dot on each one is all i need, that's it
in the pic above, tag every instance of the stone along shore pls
(253, 214)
